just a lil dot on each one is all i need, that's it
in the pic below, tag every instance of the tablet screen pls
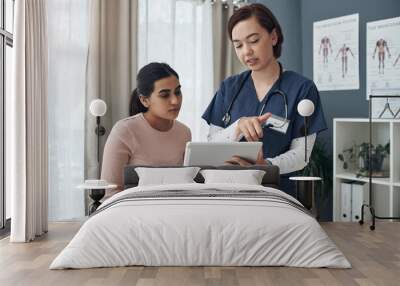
(217, 153)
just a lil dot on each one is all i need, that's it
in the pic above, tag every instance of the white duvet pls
(200, 231)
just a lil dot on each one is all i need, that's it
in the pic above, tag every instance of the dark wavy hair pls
(264, 17)
(145, 80)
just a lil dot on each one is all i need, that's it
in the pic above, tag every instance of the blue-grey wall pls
(288, 13)
(348, 103)
(297, 18)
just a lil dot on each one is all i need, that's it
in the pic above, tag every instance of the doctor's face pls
(166, 99)
(253, 44)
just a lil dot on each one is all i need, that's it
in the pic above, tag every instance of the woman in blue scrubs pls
(242, 106)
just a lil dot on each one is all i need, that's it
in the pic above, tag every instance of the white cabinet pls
(385, 191)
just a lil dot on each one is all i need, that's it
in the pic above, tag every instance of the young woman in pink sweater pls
(151, 135)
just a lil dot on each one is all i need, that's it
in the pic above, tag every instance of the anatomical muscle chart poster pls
(335, 49)
(383, 66)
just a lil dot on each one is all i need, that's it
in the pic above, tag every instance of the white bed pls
(185, 230)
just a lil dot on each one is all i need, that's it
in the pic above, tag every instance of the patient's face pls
(166, 100)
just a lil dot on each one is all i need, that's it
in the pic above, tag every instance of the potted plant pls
(379, 152)
(348, 157)
(375, 163)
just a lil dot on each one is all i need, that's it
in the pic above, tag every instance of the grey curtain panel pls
(224, 54)
(111, 68)
(27, 117)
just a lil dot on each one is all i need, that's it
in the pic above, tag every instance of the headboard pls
(270, 179)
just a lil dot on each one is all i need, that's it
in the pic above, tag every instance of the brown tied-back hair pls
(264, 17)
(145, 81)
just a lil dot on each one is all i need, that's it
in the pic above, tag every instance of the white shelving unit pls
(385, 191)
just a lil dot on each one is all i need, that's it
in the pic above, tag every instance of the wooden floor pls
(374, 255)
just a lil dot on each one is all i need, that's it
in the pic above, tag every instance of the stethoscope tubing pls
(226, 119)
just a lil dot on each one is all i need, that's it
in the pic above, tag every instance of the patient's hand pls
(236, 160)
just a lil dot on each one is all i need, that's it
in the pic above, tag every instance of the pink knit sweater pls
(133, 141)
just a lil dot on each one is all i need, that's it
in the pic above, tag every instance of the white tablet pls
(216, 153)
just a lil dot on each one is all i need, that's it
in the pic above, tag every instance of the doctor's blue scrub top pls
(294, 86)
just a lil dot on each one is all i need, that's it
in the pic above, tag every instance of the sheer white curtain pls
(27, 123)
(68, 45)
(179, 33)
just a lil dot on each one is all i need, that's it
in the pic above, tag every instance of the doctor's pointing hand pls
(251, 127)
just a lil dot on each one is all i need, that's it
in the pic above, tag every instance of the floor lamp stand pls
(100, 131)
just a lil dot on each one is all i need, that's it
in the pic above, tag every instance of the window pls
(179, 33)
(6, 44)
(68, 46)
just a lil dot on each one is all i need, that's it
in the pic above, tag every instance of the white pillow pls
(248, 177)
(164, 176)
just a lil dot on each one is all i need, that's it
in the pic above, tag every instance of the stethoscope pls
(226, 119)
